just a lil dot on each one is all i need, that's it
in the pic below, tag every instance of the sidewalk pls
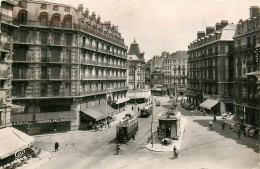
(177, 143)
(34, 163)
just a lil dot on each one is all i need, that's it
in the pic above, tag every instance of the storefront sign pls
(19, 154)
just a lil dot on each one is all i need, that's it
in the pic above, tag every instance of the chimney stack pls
(200, 34)
(80, 7)
(218, 26)
(254, 11)
(107, 24)
(209, 29)
(93, 16)
(224, 23)
(86, 14)
(98, 19)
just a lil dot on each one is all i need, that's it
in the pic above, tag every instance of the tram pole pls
(152, 121)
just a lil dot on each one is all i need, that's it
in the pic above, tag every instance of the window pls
(55, 55)
(43, 89)
(23, 36)
(55, 72)
(43, 55)
(55, 8)
(56, 20)
(19, 54)
(67, 72)
(68, 39)
(56, 89)
(44, 72)
(68, 56)
(23, 17)
(68, 21)
(44, 19)
(67, 89)
(43, 6)
(44, 37)
(56, 38)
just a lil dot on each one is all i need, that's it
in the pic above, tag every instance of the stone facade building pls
(211, 68)
(175, 73)
(136, 75)
(66, 63)
(7, 28)
(246, 64)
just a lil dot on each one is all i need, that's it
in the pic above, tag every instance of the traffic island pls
(158, 143)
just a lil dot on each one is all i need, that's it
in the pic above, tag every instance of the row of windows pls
(176, 61)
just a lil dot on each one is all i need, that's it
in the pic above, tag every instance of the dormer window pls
(55, 8)
(22, 4)
(43, 6)
(67, 9)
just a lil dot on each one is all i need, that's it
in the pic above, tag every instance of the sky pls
(164, 25)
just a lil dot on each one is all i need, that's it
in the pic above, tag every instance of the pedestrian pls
(108, 123)
(215, 119)
(132, 108)
(223, 125)
(138, 109)
(238, 133)
(210, 125)
(56, 146)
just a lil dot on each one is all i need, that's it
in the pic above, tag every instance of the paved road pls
(201, 148)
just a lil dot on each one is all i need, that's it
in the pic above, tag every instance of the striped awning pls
(98, 112)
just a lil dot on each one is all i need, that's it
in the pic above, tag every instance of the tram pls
(126, 129)
(146, 111)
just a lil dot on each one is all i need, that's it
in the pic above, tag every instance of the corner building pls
(246, 60)
(66, 63)
(210, 62)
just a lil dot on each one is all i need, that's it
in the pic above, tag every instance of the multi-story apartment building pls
(136, 74)
(211, 68)
(6, 30)
(148, 73)
(135, 63)
(246, 62)
(156, 70)
(175, 73)
(66, 64)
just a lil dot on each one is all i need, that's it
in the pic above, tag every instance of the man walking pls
(223, 125)
(238, 133)
(56, 146)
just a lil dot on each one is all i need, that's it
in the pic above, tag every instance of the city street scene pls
(122, 84)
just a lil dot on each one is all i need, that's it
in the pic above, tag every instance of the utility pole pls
(152, 121)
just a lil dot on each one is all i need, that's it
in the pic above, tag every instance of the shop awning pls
(209, 103)
(123, 100)
(12, 141)
(55, 116)
(98, 112)
(138, 94)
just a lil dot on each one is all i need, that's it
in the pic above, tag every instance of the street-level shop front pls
(15, 147)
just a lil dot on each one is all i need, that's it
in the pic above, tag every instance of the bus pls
(146, 111)
(126, 129)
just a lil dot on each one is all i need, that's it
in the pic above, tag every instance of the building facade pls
(136, 75)
(7, 28)
(65, 62)
(211, 68)
(246, 63)
(175, 73)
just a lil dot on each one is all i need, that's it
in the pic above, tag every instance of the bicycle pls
(119, 152)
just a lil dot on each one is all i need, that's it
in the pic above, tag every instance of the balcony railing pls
(93, 31)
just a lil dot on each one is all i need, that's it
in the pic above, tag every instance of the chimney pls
(200, 34)
(218, 26)
(93, 16)
(224, 23)
(86, 14)
(254, 11)
(209, 29)
(98, 19)
(107, 24)
(80, 7)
